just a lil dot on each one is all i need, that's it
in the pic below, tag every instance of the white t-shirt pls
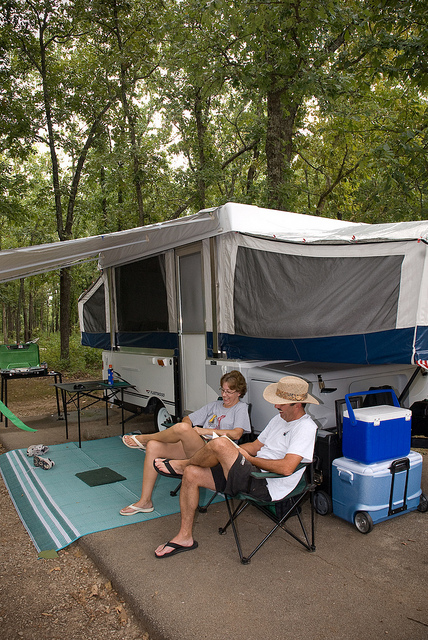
(281, 437)
(215, 416)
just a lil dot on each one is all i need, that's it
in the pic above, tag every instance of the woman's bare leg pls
(171, 435)
(187, 445)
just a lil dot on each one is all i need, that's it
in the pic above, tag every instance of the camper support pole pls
(177, 385)
(213, 267)
(408, 385)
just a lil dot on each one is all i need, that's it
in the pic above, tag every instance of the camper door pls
(191, 329)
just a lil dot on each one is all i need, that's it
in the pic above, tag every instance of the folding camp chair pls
(278, 511)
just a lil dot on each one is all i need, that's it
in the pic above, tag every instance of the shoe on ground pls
(37, 450)
(43, 463)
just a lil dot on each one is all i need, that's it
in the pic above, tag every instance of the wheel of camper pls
(323, 503)
(363, 522)
(162, 418)
(423, 503)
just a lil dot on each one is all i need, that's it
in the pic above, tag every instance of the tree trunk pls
(5, 333)
(30, 315)
(64, 322)
(251, 174)
(201, 129)
(42, 317)
(104, 199)
(64, 230)
(279, 146)
(9, 315)
(124, 88)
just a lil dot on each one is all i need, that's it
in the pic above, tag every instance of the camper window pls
(141, 296)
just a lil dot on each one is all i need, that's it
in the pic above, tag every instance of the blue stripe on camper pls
(421, 343)
(97, 340)
(393, 347)
(155, 340)
(152, 340)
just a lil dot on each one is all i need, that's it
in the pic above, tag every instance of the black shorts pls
(239, 479)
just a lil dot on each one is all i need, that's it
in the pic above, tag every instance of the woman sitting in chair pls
(183, 440)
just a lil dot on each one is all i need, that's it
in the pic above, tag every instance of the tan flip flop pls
(138, 444)
(135, 510)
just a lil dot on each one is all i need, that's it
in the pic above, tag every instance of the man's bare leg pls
(196, 474)
(217, 451)
(193, 478)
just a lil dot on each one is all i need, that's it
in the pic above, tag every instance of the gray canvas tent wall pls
(277, 286)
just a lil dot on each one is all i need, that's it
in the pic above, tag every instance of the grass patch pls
(82, 361)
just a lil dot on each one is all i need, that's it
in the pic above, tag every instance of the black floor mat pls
(95, 477)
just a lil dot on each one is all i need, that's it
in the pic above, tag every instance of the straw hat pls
(288, 390)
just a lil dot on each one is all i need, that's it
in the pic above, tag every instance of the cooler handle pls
(366, 393)
(346, 476)
(398, 466)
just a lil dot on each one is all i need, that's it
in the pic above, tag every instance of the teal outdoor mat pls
(57, 508)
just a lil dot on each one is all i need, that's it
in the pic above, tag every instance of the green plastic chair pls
(278, 511)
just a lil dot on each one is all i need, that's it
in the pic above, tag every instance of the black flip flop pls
(172, 474)
(176, 548)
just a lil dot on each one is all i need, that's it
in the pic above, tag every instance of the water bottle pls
(110, 374)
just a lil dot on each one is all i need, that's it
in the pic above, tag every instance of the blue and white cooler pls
(379, 477)
(378, 433)
(365, 494)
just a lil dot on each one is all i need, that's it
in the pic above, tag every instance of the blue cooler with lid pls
(367, 494)
(378, 433)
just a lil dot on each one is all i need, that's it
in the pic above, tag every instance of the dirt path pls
(56, 599)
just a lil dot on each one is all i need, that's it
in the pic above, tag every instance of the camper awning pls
(110, 248)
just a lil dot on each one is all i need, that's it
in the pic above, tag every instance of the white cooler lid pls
(380, 413)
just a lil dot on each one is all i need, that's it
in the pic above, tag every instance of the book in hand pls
(215, 435)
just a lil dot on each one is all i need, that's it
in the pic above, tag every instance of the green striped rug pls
(57, 508)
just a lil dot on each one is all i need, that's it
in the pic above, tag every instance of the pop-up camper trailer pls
(341, 304)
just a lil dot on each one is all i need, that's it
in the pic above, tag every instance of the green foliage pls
(209, 102)
(116, 114)
(81, 361)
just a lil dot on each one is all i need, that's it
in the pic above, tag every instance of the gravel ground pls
(63, 598)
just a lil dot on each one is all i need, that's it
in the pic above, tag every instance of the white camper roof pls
(128, 245)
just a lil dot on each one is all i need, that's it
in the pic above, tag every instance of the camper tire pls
(323, 503)
(162, 419)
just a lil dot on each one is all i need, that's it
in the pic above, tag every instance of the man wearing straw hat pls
(287, 440)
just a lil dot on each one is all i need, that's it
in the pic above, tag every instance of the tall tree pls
(69, 96)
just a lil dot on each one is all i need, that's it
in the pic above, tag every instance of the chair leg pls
(308, 543)
(176, 490)
(232, 517)
(203, 508)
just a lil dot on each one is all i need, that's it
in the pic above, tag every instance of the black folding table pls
(72, 392)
